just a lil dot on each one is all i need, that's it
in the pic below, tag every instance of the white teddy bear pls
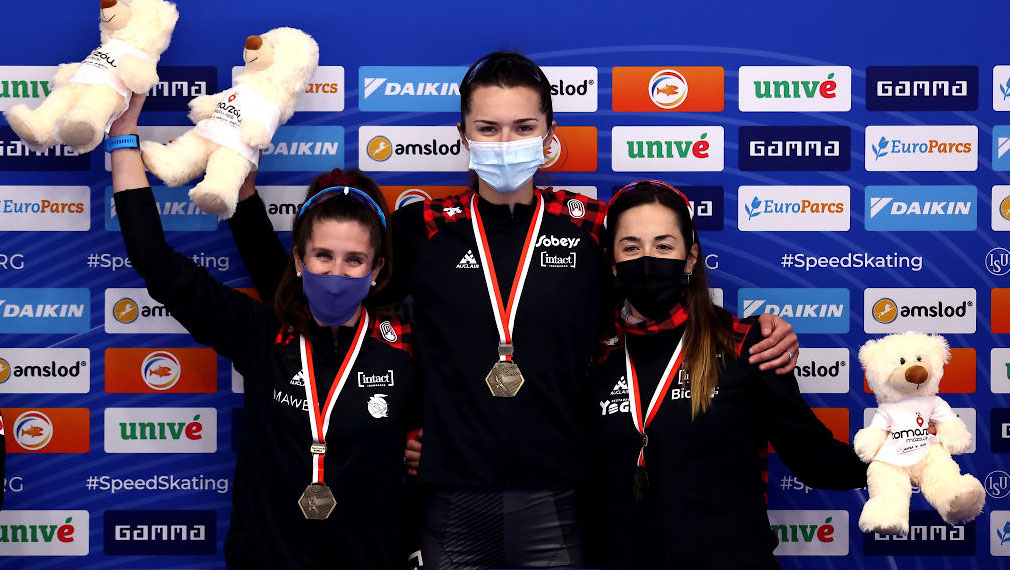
(88, 96)
(232, 126)
(904, 372)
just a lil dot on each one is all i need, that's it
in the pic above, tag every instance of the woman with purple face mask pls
(327, 383)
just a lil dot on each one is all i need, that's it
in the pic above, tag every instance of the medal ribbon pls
(635, 399)
(502, 312)
(319, 421)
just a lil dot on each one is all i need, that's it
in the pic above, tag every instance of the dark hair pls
(709, 331)
(290, 304)
(505, 69)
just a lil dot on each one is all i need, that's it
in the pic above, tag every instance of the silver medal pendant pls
(317, 502)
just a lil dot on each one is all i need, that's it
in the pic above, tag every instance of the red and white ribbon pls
(635, 396)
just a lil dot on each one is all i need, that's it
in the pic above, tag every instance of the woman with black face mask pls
(681, 418)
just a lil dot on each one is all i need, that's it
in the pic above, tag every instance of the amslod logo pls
(409, 88)
(132, 311)
(922, 309)
(795, 88)
(921, 208)
(282, 203)
(44, 533)
(304, 148)
(807, 310)
(823, 370)
(793, 208)
(45, 311)
(160, 430)
(922, 88)
(178, 212)
(45, 370)
(573, 88)
(921, 148)
(400, 148)
(810, 533)
(794, 148)
(667, 149)
(160, 532)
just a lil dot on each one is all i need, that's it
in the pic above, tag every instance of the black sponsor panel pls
(795, 148)
(236, 429)
(178, 84)
(922, 88)
(928, 535)
(15, 155)
(999, 430)
(707, 202)
(160, 532)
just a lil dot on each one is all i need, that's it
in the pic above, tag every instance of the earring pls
(685, 278)
(373, 283)
(298, 273)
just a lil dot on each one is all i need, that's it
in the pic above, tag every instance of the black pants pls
(478, 530)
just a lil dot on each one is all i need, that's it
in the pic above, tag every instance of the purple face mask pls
(333, 299)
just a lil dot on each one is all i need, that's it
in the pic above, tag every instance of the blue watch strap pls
(125, 141)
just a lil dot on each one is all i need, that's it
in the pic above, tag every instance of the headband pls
(658, 184)
(354, 193)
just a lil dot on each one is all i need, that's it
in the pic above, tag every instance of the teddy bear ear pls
(868, 352)
(938, 344)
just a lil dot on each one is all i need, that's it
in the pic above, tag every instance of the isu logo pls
(5, 370)
(668, 89)
(885, 311)
(161, 370)
(33, 430)
(380, 149)
(125, 310)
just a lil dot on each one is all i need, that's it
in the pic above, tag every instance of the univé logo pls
(636, 149)
(810, 533)
(44, 533)
(927, 310)
(801, 88)
(160, 430)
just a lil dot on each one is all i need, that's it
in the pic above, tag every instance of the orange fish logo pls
(33, 430)
(668, 90)
(161, 370)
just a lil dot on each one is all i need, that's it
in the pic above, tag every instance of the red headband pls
(658, 183)
(336, 177)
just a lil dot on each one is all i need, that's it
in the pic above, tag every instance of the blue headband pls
(358, 195)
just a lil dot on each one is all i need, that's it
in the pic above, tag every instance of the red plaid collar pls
(671, 321)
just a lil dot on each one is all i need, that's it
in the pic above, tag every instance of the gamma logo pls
(161, 532)
(926, 310)
(16, 156)
(794, 148)
(922, 88)
(928, 535)
(921, 208)
(808, 310)
(668, 88)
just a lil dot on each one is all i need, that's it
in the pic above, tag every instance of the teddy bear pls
(232, 126)
(904, 372)
(88, 96)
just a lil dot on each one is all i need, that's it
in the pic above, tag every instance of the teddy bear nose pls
(253, 42)
(106, 4)
(916, 374)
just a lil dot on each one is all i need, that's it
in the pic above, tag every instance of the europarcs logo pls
(921, 148)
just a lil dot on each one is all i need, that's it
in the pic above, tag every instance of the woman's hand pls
(412, 455)
(126, 124)
(780, 347)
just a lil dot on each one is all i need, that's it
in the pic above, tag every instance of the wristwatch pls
(125, 141)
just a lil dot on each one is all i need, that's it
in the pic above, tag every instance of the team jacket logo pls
(375, 380)
(665, 149)
(808, 310)
(174, 532)
(921, 148)
(160, 430)
(793, 208)
(45, 311)
(297, 148)
(618, 401)
(801, 88)
(668, 88)
(399, 148)
(928, 535)
(921, 208)
(573, 88)
(409, 88)
(48, 430)
(132, 310)
(469, 261)
(44, 533)
(45, 370)
(794, 148)
(810, 533)
(377, 406)
(922, 88)
(927, 310)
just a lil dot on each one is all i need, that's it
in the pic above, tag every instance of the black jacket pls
(705, 505)
(364, 466)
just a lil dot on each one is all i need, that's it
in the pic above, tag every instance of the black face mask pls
(653, 285)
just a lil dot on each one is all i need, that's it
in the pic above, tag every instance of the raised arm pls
(257, 242)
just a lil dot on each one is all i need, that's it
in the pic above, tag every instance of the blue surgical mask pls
(506, 166)
(333, 299)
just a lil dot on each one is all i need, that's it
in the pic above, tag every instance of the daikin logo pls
(1001, 147)
(921, 208)
(409, 88)
(808, 310)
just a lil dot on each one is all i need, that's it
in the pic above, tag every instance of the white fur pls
(296, 56)
(77, 114)
(958, 498)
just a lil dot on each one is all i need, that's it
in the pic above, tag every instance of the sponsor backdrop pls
(848, 166)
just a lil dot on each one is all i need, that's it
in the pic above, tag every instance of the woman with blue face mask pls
(327, 383)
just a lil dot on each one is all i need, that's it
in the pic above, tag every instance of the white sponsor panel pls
(28, 84)
(324, 92)
(823, 370)
(797, 88)
(45, 370)
(410, 149)
(573, 88)
(793, 208)
(133, 311)
(159, 134)
(282, 203)
(1001, 208)
(1001, 88)
(589, 191)
(44, 533)
(160, 430)
(967, 416)
(667, 149)
(45, 208)
(927, 310)
(999, 533)
(999, 366)
(237, 381)
(921, 148)
(810, 533)
(717, 296)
